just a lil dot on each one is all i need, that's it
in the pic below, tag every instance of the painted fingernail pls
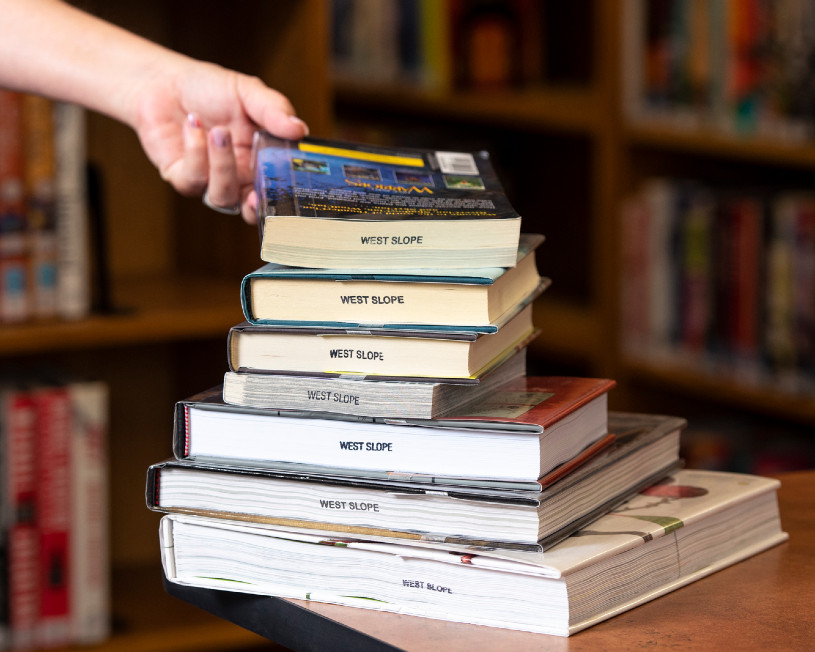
(298, 121)
(193, 120)
(220, 136)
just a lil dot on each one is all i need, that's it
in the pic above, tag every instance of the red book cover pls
(19, 428)
(14, 296)
(536, 400)
(54, 429)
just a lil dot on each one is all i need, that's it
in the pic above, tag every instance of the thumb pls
(270, 109)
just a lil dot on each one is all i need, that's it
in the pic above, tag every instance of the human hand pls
(197, 127)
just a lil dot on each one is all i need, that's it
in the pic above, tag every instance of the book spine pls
(14, 298)
(40, 177)
(54, 482)
(90, 574)
(19, 413)
(72, 217)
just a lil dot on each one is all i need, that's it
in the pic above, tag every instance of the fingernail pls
(193, 120)
(220, 136)
(298, 121)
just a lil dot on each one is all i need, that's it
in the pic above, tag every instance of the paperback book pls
(368, 396)
(476, 299)
(521, 432)
(673, 533)
(467, 511)
(332, 204)
(427, 352)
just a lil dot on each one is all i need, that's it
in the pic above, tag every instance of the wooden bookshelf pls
(176, 266)
(574, 109)
(583, 329)
(174, 272)
(151, 309)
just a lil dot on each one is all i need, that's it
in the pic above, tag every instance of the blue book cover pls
(357, 292)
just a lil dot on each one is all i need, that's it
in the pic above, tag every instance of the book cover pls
(72, 214)
(90, 610)
(475, 299)
(21, 504)
(521, 433)
(54, 430)
(383, 352)
(349, 205)
(14, 254)
(475, 513)
(40, 184)
(673, 533)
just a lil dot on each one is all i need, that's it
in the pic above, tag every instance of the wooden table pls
(764, 603)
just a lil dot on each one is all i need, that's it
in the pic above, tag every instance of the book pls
(72, 212)
(469, 299)
(40, 185)
(367, 396)
(428, 353)
(54, 433)
(14, 254)
(20, 507)
(333, 204)
(531, 516)
(522, 432)
(673, 533)
(89, 598)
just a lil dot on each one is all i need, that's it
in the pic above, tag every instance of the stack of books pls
(376, 441)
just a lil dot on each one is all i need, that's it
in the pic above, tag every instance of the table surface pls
(766, 602)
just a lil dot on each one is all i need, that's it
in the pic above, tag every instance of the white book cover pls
(678, 531)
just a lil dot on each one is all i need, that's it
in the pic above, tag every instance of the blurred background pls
(664, 148)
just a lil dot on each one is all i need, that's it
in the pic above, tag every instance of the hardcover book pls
(671, 534)
(521, 432)
(428, 353)
(475, 299)
(331, 204)
(368, 396)
(475, 512)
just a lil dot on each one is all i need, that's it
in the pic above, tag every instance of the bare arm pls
(194, 119)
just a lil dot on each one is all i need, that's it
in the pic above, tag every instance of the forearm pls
(51, 48)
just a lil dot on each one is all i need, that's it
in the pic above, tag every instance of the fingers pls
(223, 189)
(270, 109)
(190, 173)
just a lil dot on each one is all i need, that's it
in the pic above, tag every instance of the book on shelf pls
(19, 501)
(14, 258)
(521, 432)
(39, 137)
(368, 396)
(673, 533)
(72, 212)
(732, 67)
(335, 204)
(468, 511)
(721, 277)
(427, 352)
(467, 299)
(54, 521)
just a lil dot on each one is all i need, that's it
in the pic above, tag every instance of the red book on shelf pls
(18, 410)
(54, 430)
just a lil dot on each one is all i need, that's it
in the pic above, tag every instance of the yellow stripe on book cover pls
(390, 159)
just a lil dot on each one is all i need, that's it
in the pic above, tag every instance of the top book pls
(326, 204)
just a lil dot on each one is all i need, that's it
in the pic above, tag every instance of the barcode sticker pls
(456, 163)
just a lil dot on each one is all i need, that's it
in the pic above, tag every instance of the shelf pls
(150, 310)
(721, 387)
(713, 143)
(146, 618)
(570, 109)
